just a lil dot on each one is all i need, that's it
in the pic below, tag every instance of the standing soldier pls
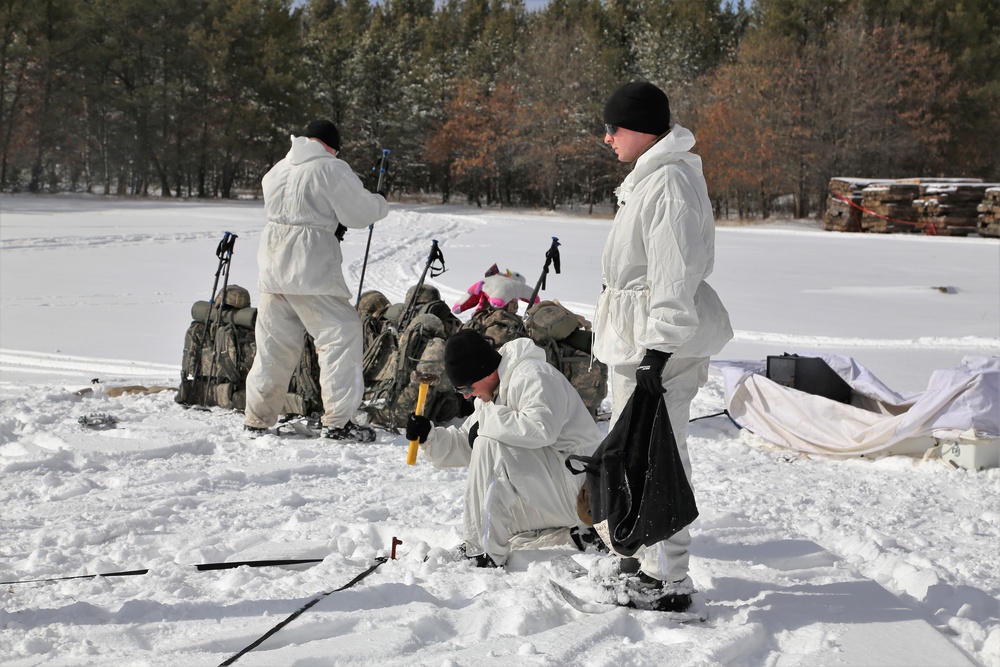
(657, 321)
(311, 198)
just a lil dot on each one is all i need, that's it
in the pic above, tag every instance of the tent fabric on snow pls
(963, 402)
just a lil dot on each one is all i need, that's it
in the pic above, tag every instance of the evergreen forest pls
(483, 101)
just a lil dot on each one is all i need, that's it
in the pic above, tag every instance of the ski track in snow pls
(97, 241)
(401, 252)
(11, 360)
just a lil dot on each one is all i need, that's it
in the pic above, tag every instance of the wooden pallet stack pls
(840, 215)
(950, 208)
(889, 207)
(988, 223)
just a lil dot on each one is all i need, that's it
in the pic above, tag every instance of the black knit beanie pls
(325, 131)
(469, 357)
(638, 106)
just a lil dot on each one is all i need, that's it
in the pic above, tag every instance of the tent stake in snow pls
(383, 169)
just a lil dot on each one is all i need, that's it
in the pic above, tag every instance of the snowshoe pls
(479, 560)
(98, 421)
(458, 554)
(645, 592)
(622, 583)
(349, 432)
(307, 427)
(587, 537)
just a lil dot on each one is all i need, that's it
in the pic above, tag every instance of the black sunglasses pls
(610, 129)
(464, 391)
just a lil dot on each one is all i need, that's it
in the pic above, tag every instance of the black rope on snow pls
(126, 573)
(202, 567)
(714, 414)
(378, 561)
(718, 414)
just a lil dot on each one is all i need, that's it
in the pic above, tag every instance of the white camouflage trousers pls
(282, 321)
(666, 560)
(515, 490)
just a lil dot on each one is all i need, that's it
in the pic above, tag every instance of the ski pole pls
(383, 171)
(383, 168)
(551, 257)
(201, 567)
(226, 244)
(225, 249)
(435, 255)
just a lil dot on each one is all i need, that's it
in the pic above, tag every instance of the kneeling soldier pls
(527, 419)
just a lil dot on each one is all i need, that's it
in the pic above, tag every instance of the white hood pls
(659, 252)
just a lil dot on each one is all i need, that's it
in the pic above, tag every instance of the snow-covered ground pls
(800, 561)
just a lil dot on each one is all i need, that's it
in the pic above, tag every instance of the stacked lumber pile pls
(841, 215)
(989, 213)
(888, 207)
(950, 208)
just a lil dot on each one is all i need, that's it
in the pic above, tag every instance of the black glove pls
(341, 230)
(473, 434)
(418, 427)
(649, 374)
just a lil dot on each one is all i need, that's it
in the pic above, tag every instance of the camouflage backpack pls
(551, 319)
(214, 370)
(498, 325)
(304, 395)
(218, 355)
(570, 353)
(588, 375)
(392, 355)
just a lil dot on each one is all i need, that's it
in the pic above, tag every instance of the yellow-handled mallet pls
(426, 380)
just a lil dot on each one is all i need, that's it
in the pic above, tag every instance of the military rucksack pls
(214, 369)
(498, 325)
(218, 355)
(559, 332)
(304, 395)
(392, 355)
(551, 319)
(588, 375)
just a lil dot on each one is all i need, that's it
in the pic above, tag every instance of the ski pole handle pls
(382, 170)
(225, 248)
(411, 455)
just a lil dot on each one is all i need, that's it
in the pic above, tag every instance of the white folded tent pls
(957, 417)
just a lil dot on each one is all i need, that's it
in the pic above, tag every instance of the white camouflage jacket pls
(535, 406)
(659, 252)
(306, 195)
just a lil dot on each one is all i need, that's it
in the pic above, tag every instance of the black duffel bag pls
(639, 494)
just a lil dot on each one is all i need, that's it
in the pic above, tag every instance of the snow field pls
(800, 560)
